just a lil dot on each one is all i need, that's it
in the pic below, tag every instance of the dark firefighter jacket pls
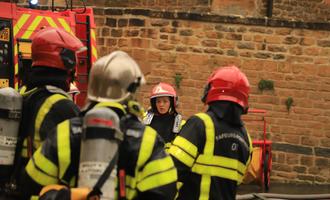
(43, 108)
(150, 172)
(211, 153)
(167, 125)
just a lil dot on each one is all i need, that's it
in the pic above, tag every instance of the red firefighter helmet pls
(164, 89)
(54, 47)
(228, 84)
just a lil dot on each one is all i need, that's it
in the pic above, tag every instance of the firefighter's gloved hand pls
(60, 192)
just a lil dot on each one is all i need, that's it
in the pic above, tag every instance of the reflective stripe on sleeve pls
(181, 155)
(157, 166)
(38, 176)
(45, 164)
(147, 144)
(186, 146)
(63, 147)
(130, 187)
(183, 150)
(158, 180)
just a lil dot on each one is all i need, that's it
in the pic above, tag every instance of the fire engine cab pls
(19, 24)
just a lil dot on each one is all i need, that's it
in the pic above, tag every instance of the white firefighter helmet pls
(114, 77)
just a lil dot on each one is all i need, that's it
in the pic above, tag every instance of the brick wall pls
(299, 10)
(296, 60)
(293, 54)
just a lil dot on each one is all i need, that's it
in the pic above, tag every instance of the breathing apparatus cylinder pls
(99, 146)
(10, 115)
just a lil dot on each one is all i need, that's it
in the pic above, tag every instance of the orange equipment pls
(19, 24)
(261, 163)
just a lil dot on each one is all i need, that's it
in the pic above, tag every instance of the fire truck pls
(18, 24)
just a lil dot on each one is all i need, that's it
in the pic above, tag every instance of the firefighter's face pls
(163, 104)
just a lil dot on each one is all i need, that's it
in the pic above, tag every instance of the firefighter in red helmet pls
(213, 149)
(163, 115)
(106, 146)
(46, 100)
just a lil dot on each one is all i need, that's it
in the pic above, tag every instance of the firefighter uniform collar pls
(227, 111)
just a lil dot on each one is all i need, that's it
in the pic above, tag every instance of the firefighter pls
(213, 149)
(163, 116)
(149, 172)
(45, 99)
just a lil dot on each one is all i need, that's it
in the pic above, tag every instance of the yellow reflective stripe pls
(221, 161)
(157, 166)
(158, 180)
(34, 198)
(16, 67)
(24, 152)
(38, 176)
(250, 148)
(93, 36)
(216, 171)
(51, 22)
(20, 23)
(181, 155)
(32, 27)
(208, 151)
(209, 129)
(130, 181)
(183, 122)
(36, 144)
(44, 164)
(167, 146)
(65, 25)
(43, 111)
(130, 187)
(205, 187)
(186, 145)
(147, 145)
(73, 181)
(94, 51)
(111, 104)
(63, 146)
